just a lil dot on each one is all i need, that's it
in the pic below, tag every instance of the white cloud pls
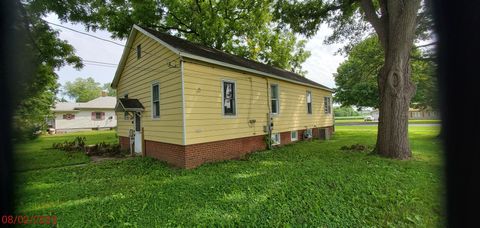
(323, 62)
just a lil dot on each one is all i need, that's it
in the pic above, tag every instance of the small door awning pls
(129, 105)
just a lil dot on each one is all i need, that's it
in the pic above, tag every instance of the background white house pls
(415, 114)
(97, 114)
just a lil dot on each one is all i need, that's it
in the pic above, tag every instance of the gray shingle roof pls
(100, 102)
(214, 54)
(97, 103)
(65, 106)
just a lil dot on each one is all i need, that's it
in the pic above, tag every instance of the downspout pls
(268, 127)
(184, 133)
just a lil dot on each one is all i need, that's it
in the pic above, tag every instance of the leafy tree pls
(397, 24)
(46, 52)
(83, 90)
(110, 91)
(240, 27)
(345, 111)
(356, 78)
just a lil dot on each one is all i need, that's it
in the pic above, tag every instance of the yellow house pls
(188, 104)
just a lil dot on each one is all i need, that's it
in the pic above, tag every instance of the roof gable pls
(97, 103)
(202, 53)
(100, 102)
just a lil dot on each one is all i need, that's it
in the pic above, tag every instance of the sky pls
(320, 65)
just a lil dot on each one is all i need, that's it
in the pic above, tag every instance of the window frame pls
(309, 112)
(327, 108)
(235, 113)
(139, 51)
(275, 143)
(309, 131)
(277, 100)
(68, 116)
(152, 112)
(296, 136)
(99, 114)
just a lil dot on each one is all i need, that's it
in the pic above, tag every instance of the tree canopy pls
(356, 77)
(397, 24)
(46, 52)
(241, 27)
(110, 91)
(83, 89)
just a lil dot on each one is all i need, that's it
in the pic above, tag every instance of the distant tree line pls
(86, 89)
(345, 111)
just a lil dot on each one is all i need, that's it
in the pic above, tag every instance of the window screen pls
(155, 101)
(309, 102)
(229, 98)
(274, 98)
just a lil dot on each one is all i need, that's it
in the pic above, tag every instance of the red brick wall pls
(124, 142)
(285, 138)
(191, 156)
(171, 153)
(198, 154)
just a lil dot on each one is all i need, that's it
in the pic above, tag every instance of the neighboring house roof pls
(97, 103)
(206, 54)
(101, 102)
(64, 106)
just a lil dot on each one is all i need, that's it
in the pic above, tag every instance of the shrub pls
(356, 147)
(77, 144)
(105, 149)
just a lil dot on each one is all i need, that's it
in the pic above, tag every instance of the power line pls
(84, 33)
(96, 37)
(105, 63)
(100, 65)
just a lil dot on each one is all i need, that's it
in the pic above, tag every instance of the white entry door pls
(138, 134)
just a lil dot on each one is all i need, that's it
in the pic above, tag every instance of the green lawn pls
(310, 184)
(37, 154)
(409, 121)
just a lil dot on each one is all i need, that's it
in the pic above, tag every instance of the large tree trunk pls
(396, 30)
(396, 91)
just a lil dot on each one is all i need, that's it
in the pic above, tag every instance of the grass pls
(409, 121)
(349, 120)
(38, 154)
(349, 117)
(425, 121)
(309, 184)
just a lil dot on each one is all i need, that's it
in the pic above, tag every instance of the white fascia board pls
(127, 48)
(121, 64)
(168, 46)
(196, 57)
(203, 59)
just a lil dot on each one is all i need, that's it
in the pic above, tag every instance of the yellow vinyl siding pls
(136, 80)
(203, 101)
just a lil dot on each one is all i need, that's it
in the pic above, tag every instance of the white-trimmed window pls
(308, 133)
(327, 105)
(68, 116)
(309, 102)
(293, 136)
(139, 51)
(275, 138)
(229, 105)
(155, 101)
(98, 115)
(274, 97)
